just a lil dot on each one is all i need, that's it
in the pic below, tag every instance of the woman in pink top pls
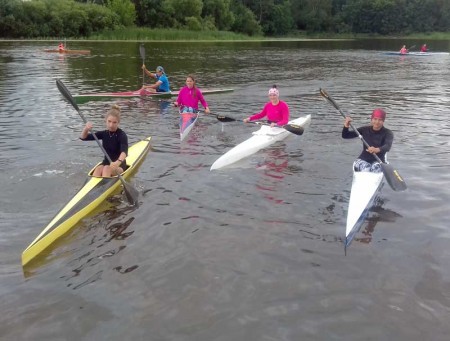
(277, 111)
(189, 97)
(404, 50)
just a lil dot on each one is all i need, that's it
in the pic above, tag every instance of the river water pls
(250, 252)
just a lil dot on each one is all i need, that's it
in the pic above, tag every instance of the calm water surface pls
(250, 252)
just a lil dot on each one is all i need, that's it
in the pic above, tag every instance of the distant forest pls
(80, 19)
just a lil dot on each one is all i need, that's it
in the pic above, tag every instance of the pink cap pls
(379, 113)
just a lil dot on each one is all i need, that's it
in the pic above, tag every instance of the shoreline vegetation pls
(223, 20)
(174, 35)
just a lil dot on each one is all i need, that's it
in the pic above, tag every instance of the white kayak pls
(187, 122)
(261, 138)
(365, 187)
(420, 54)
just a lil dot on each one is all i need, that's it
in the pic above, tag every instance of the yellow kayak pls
(92, 194)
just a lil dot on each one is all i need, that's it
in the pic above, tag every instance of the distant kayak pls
(83, 98)
(69, 51)
(415, 54)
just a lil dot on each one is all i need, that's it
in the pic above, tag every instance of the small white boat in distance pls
(419, 54)
(261, 138)
(365, 187)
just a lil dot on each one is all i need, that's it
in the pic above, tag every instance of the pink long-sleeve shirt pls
(190, 98)
(275, 113)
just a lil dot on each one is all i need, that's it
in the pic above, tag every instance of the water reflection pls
(377, 214)
(271, 227)
(273, 168)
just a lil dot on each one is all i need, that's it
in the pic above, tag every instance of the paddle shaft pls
(142, 52)
(292, 128)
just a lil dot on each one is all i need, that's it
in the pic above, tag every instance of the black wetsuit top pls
(114, 143)
(380, 139)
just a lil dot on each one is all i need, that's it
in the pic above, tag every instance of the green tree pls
(147, 11)
(124, 9)
(182, 9)
(220, 10)
(245, 20)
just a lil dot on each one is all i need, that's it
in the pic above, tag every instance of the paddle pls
(393, 177)
(292, 128)
(142, 52)
(409, 48)
(131, 193)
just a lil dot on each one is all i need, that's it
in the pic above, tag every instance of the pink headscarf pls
(379, 113)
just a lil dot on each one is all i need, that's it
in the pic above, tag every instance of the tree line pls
(81, 18)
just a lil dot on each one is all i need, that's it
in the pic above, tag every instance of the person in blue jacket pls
(162, 82)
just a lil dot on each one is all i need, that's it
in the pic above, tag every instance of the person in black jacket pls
(114, 141)
(377, 136)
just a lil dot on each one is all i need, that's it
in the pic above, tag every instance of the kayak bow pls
(92, 194)
(365, 187)
(187, 122)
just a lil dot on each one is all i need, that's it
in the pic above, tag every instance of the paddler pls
(190, 96)
(404, 50)
(424, 48)
(61, 47)
(276, 110)
(114, 140)
(162, 82)
(377, 136)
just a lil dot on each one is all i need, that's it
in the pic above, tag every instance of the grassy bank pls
(146, 34)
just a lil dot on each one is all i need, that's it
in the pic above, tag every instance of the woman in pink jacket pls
(277, 111)
(190, 96)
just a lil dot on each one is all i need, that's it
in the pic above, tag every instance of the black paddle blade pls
(294, 129)
(66, 93)
(327, 97)
(393, 177)
(225, 118)
(131, 193)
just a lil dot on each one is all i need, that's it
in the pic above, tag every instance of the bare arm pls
(87, 128)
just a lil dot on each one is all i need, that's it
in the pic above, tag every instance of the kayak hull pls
(187, 122)
(91, 195)
(364, 191)
(84, 98)
(69, 51)
(261, 138)
(417, 54)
